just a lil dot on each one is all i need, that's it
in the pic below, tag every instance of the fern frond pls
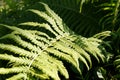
(57, 19)
(70, 51)
(45, 25)
(17, 77)
(12, 70)
(102, 35)
(21, 42)
(112, 17)
(77, 48)
(90, 45)
(49, 19)
(117, 62)
(45, 56)
(27, 35)
(16, 50)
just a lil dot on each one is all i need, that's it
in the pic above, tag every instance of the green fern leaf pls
(48, 50)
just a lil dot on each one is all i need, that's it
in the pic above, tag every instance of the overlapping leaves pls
(43, 51)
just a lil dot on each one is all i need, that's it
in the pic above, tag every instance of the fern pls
(47, 50)
(111, 17)
(117, 62)
(76, 8)
(78, 13)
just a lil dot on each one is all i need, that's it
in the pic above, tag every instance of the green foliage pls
(72, 11)
(83, 17)
(110, 20)
(48, 50)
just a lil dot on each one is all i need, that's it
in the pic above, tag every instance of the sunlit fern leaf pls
(102, 35)
(16, 77)
(77, 14)
(36, 54)
(74, 7)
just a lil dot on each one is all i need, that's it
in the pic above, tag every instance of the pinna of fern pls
(47, 50)
(110, 20)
